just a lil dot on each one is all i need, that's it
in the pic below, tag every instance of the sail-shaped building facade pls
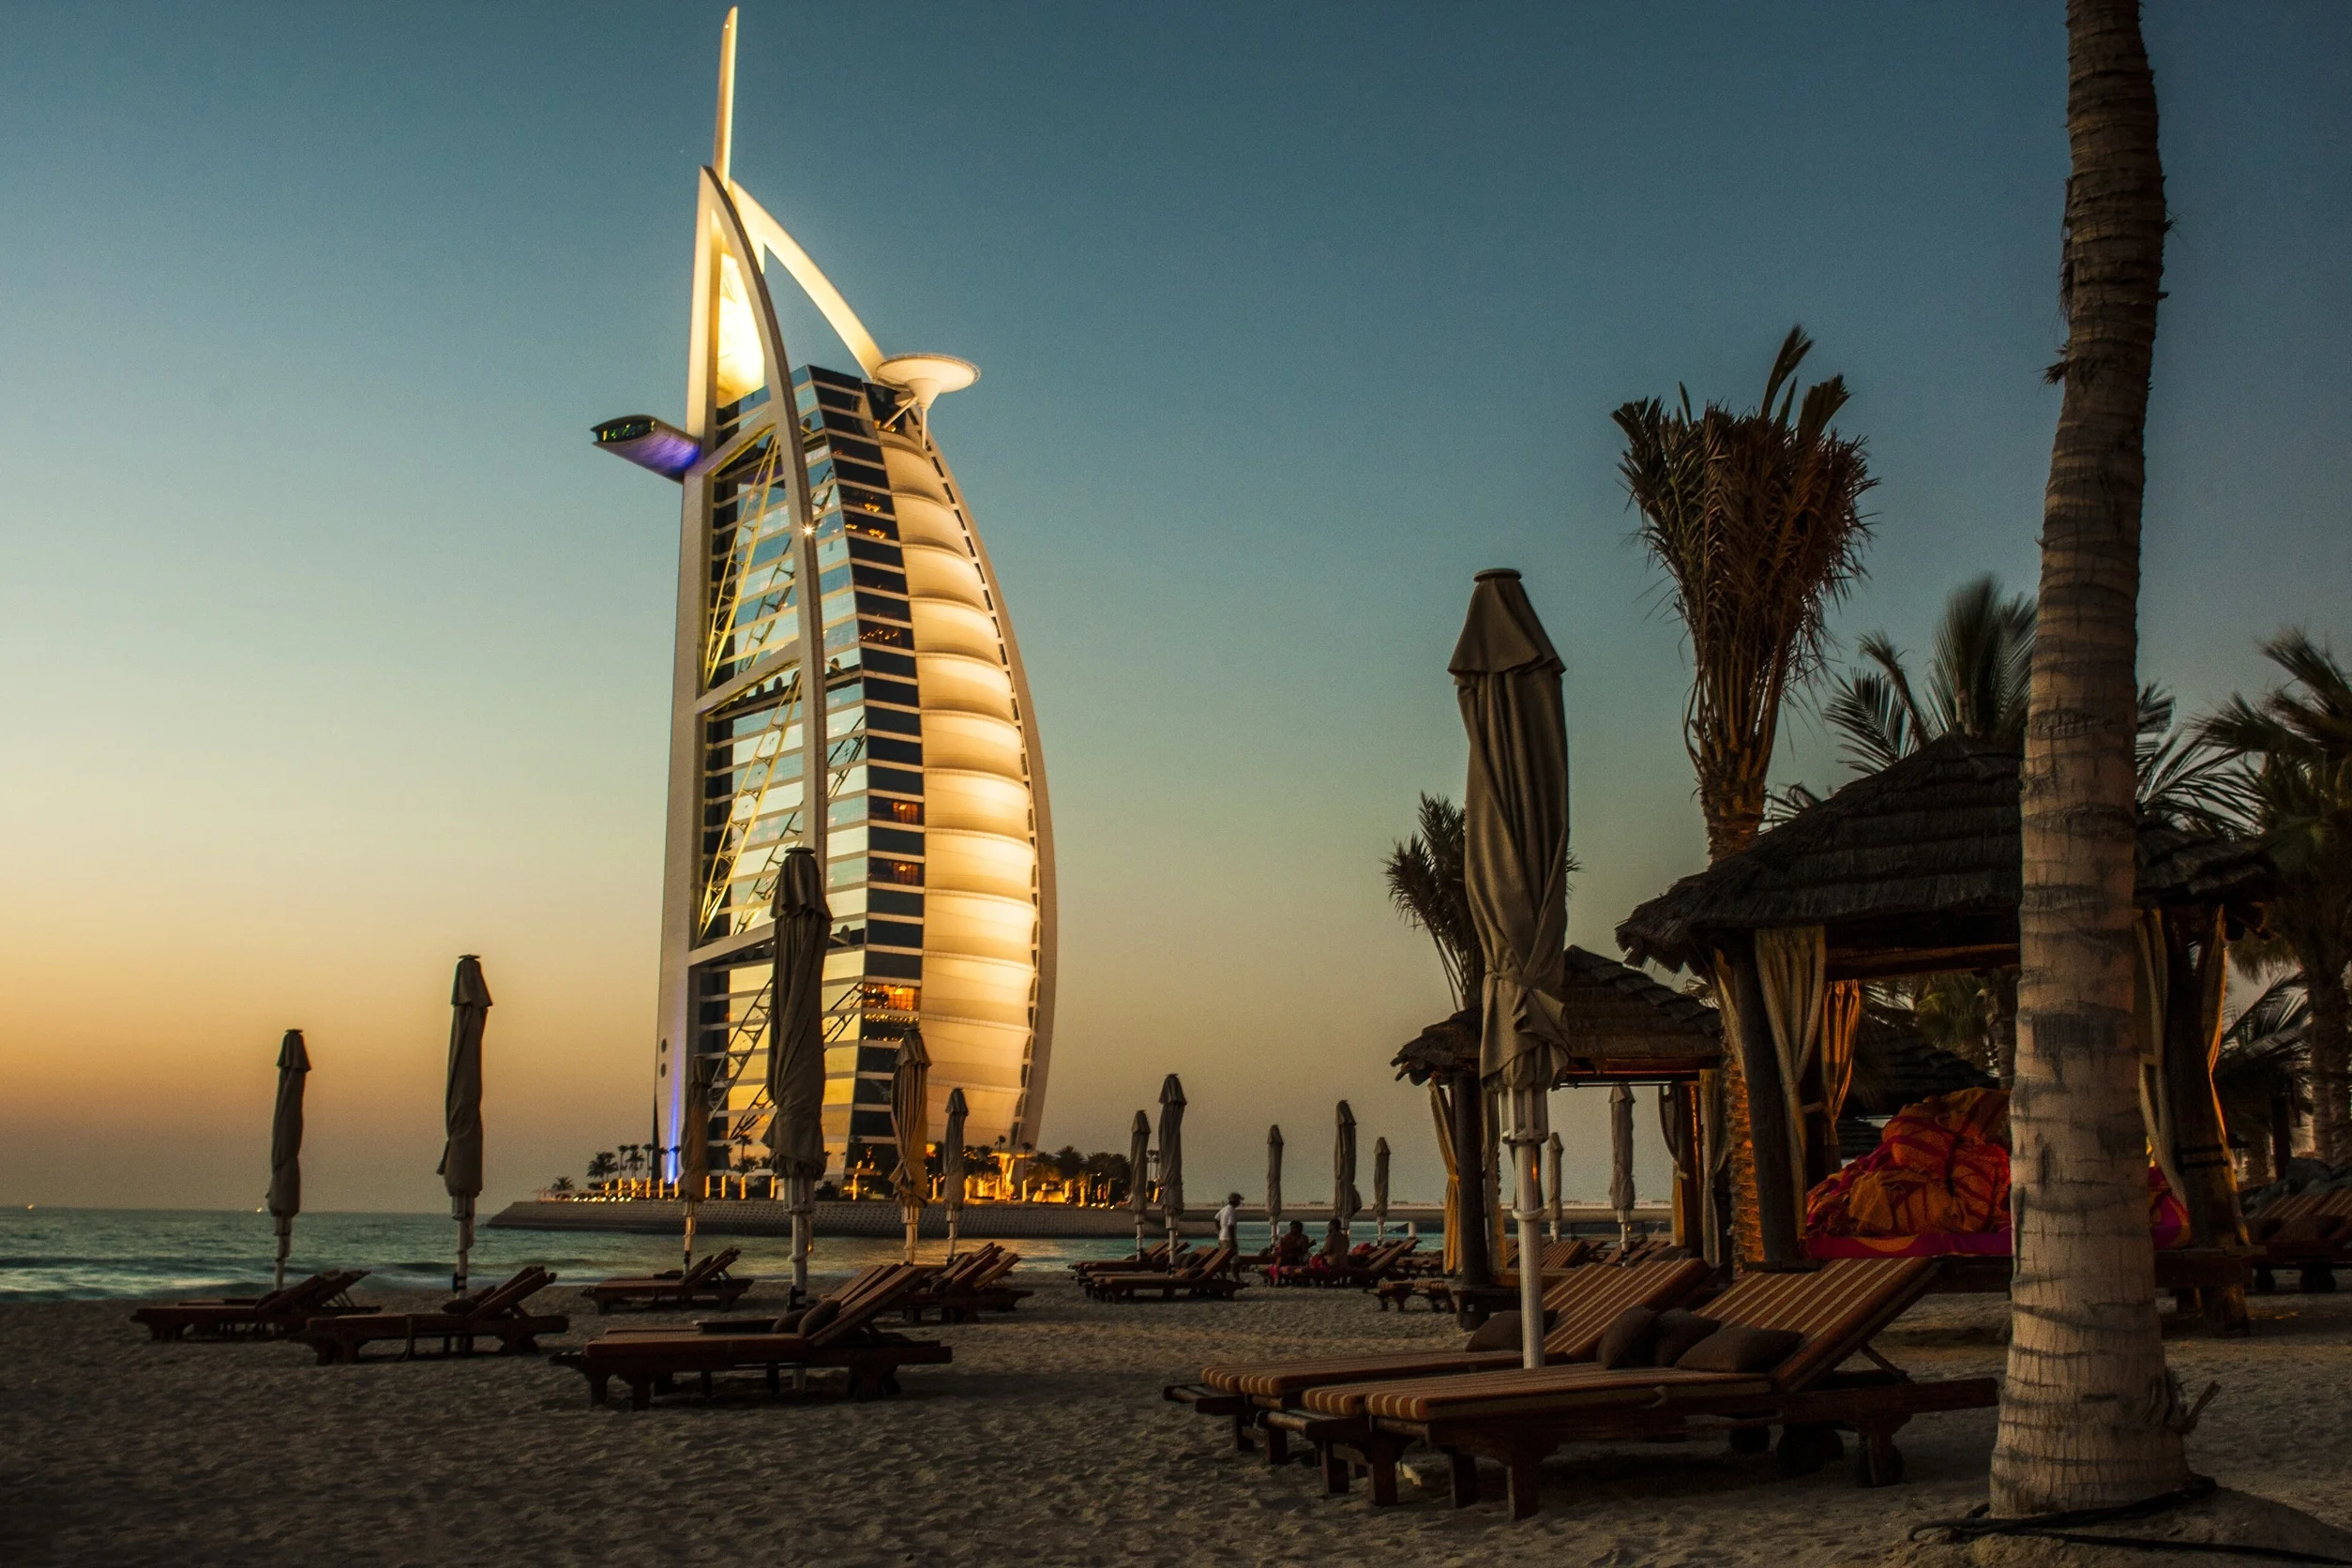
(846, 679)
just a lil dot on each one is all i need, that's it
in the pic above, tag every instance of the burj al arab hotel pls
(847, 680)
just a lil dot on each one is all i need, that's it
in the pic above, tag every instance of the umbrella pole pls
(1527, 1136)
(285, 1243)
(953, 1217)
(799, 1190)
(690, 1207)
(913, 1221)
(465, 1207)
(1138, 1238)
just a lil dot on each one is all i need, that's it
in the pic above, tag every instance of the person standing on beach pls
(1229, 1220)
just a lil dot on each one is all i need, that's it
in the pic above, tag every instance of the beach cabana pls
(1917, 871)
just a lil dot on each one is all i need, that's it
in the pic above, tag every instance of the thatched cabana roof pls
(1622, 1024)
(1913, 869)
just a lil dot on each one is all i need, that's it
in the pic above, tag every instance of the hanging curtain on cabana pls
(1715, 1156)
(2166, 1119)
(1841, 1022)
(1441, 1109)
(1788, 962)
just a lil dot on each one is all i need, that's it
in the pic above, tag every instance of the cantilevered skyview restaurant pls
(1912, 871)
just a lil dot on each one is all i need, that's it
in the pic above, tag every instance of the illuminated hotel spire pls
(897, 683)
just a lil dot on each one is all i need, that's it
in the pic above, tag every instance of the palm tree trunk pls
(2085, 1408)
(2330, 1039)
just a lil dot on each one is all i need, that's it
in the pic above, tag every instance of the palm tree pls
(2298, 742)
(2088, 1418)
(1757, 520)
(1425, 883)
(603, 1166)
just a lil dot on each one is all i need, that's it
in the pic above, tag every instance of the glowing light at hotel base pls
(934, 828)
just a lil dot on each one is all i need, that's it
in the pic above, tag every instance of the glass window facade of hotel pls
(931, 816)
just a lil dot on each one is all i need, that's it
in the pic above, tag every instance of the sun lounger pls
(1519, 1417)
(496, 1313)
(843, 1338)
(275, 1315)
(2309, 1231)
(1348, 1273)
(967, 1287)
(1154, 1257)
(1210, 1275)
(1443, 1293)
(1581, 1305)
(707, 1282)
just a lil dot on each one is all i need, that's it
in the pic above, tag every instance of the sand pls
(1045, 1443)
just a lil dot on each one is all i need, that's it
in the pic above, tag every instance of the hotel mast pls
(933, 831)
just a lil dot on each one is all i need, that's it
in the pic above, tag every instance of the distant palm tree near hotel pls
(1173, 1160)
(1139, 1185)
(461, 1106)
(1274, 1176)
(285, 1145)
(1756, 519)
(909, 1125)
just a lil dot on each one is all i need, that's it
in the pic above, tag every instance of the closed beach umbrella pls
(1621, 1163)
(694, 1142)
(1138, 1184)
(461, 1106)
(1379, 1184)
(1274, 1176)
(1345, 1200)
(1551, 1181)
(796, 1046)
(285, 1144)
(951, 1158)
(1172, 1159)
(1514, 854)
(909, 1125)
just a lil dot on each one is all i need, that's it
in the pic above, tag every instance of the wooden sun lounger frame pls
(493, 1314)
(1649, 1404)
(1570, 1341)
(651, 1363)
(278, 1314)
(1155, 1258)
(969, 1286)
(1346, 1273)
(707, 1282)
(2314, 1257)
(1212, 1275)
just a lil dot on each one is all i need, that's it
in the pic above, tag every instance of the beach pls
(1045, 1442)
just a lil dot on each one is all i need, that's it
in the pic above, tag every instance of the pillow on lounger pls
(818, 1316)
(1735, 1348)
(1628, 1339)
(1677, 1331)
(1499, 1333)
(789, 1324)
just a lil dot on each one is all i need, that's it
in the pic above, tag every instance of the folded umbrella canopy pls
(951, 1160)
(1515, 857)
(1173, 1160)
(1345, 1200)
(1273, 1177)
(1379, 1184)
(1621, 1165)
(1139, 1178)
(909, 1125)
(796, 1046)
(461, 1106)
(285, 1144)
(694, 1139)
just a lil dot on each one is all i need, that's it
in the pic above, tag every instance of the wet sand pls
(1045, 1443)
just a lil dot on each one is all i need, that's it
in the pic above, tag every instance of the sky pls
(329, 650)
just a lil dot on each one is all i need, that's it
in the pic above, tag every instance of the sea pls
(62, 1253)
